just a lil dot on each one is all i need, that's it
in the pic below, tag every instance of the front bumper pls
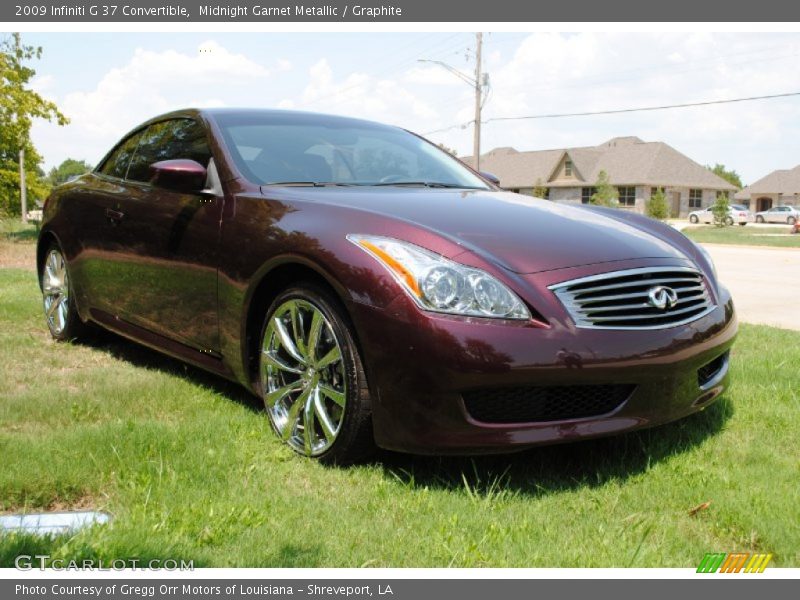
(420, 365)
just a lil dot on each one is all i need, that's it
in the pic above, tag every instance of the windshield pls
(318, 150)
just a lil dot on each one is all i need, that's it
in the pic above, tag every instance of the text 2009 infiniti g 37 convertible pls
(374, 290)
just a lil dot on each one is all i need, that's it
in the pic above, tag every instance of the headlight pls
(441, 285)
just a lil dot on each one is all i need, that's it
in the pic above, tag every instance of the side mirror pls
(182, 175)
(490, 177)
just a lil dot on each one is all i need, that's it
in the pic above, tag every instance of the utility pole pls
(23, 191)
(476, 141)
(477, 83)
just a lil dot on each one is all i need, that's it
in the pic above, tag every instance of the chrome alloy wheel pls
(55, 290)
(303, 377)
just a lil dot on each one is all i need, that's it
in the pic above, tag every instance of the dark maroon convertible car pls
(374, 290)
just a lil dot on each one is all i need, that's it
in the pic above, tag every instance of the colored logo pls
(662, 297)
(735, 562)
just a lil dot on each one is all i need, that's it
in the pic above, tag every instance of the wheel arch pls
(46, 238)
(274, 277)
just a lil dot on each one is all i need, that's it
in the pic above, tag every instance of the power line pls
(645, 108)
(622, 110)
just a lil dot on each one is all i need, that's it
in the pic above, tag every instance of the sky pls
(108, 83)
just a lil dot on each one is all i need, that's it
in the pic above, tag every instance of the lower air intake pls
(544, 403)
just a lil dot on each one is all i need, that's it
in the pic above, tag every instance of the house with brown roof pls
(779, 188)
(635, 167)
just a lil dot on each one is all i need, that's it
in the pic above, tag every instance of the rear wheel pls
(60, 312)
(791, 220)
(312, 379)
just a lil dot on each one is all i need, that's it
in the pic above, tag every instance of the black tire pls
(729, 221)
(693, 219)
(759, 219)
(73, 328)
(743, 224)
(354, 442)
(791, 220)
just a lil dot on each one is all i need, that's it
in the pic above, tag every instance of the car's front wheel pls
(729, 221)
(312, 378)
(60, 312)
(759, 219)
(693, 219)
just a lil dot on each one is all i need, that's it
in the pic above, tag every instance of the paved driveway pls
(764, 281)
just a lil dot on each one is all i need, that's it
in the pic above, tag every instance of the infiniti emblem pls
(662, 297)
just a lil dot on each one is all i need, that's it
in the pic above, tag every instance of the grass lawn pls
(777, 236)
(189, 469)
(16, 244)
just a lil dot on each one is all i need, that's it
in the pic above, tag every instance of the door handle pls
(114, 216)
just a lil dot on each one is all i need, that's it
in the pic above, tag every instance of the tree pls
(720, 211)
(19, 106)
(657, 206)
(539, 189)
(67, 170)
(605, 193)
(448, 149)
(731, 176)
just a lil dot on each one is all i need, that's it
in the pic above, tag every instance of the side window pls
(169, 140)
(116, 164)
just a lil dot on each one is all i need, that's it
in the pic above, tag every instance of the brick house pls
(635, 167)
(779, 188)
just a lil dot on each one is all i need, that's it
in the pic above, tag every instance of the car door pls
(167, 242)
(93, 225)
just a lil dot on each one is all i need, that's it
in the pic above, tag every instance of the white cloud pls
(361, 95)
(148, 84)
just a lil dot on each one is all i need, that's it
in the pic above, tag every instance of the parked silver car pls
(736, 214)
(779, 214)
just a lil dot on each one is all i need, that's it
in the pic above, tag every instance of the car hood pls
(520, 233)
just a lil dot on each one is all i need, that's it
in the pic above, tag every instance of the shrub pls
(720, 210)
(657, 206)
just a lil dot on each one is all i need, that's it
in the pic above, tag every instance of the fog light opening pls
(707, 397)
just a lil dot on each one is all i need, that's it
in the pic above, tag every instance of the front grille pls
(622, 299)
(544, 403)
(708, 371)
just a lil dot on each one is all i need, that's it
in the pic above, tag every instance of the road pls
(764, 281)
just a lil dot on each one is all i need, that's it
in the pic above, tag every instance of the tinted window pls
(168, 140)
(311, 148)
(117, 163)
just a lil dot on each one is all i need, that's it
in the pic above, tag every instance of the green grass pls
(777, 236)
(13, 229)
(189, 469)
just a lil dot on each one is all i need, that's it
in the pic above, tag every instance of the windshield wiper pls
(308, 183)
(430, 184)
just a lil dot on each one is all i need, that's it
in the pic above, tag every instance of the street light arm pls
(462, 76)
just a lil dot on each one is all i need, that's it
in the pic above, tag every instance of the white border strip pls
(268, 575)
(233, 26)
